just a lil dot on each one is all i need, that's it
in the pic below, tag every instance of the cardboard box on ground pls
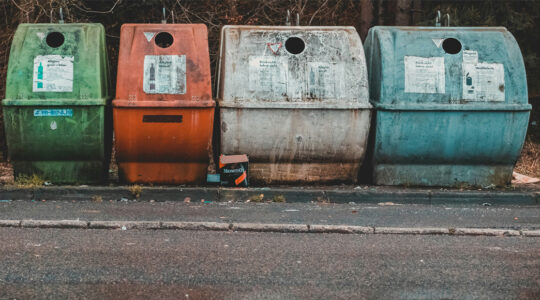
(233, 170)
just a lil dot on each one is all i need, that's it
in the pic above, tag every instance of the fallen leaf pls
(523, 179)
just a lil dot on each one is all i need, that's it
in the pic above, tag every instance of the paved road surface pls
(59, 263)
(471, 215)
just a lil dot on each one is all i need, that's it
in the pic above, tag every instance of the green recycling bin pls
(56, 112)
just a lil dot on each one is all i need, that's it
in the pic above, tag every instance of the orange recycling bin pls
(163, 111)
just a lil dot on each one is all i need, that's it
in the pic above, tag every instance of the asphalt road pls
(97, 264)
(385, 214)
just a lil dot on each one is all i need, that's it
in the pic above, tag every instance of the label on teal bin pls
(424, 75)
(66, 112)
(482, 81)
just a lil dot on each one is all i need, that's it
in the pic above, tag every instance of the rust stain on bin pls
(163, 111)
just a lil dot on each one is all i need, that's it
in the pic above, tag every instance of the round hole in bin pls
(451, 46)
(164, 39)
(55, 39)
(295, 45)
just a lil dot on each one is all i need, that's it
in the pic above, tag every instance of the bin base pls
(163, 172)
(63, 172)
(443, 175)
(267, 173)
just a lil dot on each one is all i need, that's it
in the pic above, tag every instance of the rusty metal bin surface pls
(451, 105)
(295, 100)
(163, 111)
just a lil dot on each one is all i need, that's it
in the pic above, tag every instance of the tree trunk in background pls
(403, 12)
(366, 16)
(417, 14)
(380, 12)
(233, 11)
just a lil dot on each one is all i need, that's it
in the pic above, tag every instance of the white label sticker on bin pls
(322, 79)
(65, 112)
(483, 82)
(470, 57)
(164, 74)
(424, 75)
(53, 73)
(268, 74)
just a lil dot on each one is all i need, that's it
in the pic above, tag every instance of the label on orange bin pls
(164, 74)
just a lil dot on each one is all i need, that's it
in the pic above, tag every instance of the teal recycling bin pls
(451, 105)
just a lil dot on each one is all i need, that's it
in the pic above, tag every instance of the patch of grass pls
(322, 200)
(135, 191)
(256, 198)
(97, 198)
(279, 198)
(29, 181)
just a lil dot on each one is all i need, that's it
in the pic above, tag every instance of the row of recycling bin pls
(446, 106)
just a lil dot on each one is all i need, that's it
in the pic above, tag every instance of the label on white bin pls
(268, 74)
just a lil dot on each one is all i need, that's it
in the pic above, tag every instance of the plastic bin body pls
(464, 127)
(299, 117)
(163, 136)
(56, 114)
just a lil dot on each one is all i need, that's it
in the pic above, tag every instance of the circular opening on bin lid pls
(295, 45)
(164, 39)
(451, 46)
(55, 39)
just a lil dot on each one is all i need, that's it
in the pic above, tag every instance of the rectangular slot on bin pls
(162, 119)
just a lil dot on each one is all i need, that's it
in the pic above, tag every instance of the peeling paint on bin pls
(56, 113)
(469, 133)
(300, 117)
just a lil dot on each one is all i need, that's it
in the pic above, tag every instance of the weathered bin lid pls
(438, 67)
(292, 66)
(164, 65)
(58, 64)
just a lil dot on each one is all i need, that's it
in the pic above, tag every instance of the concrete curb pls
(124, 225)
(421, 231)
(202, 226)
(258, 227)
(486, 232)
(370, 194)
(340, 229)
(54, 224)
(10, 223)
(533, 233)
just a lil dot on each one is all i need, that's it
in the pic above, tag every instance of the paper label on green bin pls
(66, 112)
(164, 74)
(53, 73)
